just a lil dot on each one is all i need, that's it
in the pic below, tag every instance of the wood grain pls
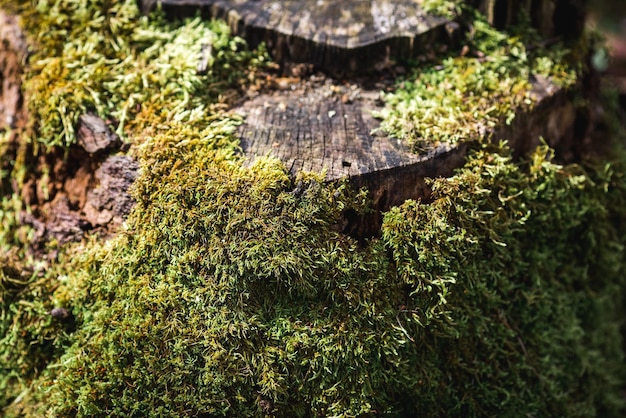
(339, 37)
(327, 126)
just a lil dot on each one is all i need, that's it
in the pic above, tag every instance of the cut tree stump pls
(339, 37)
(356, 36)
(324, 123)
(318, 123)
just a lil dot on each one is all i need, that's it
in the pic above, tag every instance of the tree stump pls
(338, 37)
(325, 123)
(319, 123)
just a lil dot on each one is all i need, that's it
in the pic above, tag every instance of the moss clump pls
(230, 292)
(446, 8)
(141, 76)
(503, 296)
(30, 338)
(106, 57)
(518, 281)
(463, 97)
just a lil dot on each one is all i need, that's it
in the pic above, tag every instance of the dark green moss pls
(501, 297)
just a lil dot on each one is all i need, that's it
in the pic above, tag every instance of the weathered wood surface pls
(348, 36)
(318, 125)
(13, 51)
(318, 128)
(322, 125)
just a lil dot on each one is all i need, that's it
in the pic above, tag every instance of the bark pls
(67, 192)
(13, 53)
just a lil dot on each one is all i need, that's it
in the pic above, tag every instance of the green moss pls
(231, 293)
(446, 8)
(513, 266)
(105, 57)
(30, 338)
(464, 96)
(501, 297)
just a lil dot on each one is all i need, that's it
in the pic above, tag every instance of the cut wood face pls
(315, 126)
(344, 24)
(348, 36)
(320, 124)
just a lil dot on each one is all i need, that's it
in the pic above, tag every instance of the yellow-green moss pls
(497, 298)
(231, 293)
(467, 94)
(446, 8)
(137, 71)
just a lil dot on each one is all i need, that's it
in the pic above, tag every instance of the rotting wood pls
(110, 201)
(13, 52)
(339, 37)
(94, 135)
(83, 188)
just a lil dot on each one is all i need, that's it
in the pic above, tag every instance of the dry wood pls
(321, 125)
(349, 36)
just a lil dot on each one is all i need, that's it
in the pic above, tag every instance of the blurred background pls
(609, 17)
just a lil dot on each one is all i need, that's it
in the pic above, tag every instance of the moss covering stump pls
(231, 289)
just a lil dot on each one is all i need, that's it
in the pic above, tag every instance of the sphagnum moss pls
(231, 294)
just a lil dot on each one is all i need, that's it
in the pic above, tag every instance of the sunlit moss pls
(220, 302)
(467, 94)
(136, 71)
(230, 292)
(446, 8)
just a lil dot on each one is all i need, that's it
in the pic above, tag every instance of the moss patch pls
(503, 296)
(137, 71)
(230, 292)
(464, 96)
